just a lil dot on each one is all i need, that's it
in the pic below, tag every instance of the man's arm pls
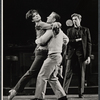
(89, 47)
(89, 44)
(45, 25)
(44, 38)
(65, 37)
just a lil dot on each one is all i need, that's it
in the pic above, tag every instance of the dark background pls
(19, 34)
(19, 31)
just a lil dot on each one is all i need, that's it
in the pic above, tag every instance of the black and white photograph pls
(49, 50)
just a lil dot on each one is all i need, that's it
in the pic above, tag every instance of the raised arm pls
(45, 25)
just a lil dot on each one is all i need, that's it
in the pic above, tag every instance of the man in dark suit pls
(79, 48)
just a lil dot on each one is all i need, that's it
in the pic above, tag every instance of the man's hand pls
(79, 39)
(87, 61)
(55, 27)
(60, 70)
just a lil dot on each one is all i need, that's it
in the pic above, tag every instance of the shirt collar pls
(78, 27)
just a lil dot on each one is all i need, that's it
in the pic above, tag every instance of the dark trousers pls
(80, 71)
(40, 56)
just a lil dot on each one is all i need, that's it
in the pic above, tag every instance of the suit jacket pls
(86, 41)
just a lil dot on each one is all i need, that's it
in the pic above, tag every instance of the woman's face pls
(36, 17)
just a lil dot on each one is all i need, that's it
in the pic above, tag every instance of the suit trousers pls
(48, 73)
(40, 56)
(69, 73)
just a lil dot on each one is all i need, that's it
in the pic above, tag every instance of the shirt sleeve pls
(89, 44)
(65, 38)
(44, 38)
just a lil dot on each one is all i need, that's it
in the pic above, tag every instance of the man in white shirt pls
(48, 71)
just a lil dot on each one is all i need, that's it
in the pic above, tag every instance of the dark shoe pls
(36, 99)
(81, 96)
(63, 98)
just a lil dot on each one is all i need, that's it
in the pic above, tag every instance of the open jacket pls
(86, 41)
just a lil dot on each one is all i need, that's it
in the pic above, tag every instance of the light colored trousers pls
(48, 73)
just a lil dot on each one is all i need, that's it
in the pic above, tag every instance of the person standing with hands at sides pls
(48, 71)
(40, 53)
(79, 46)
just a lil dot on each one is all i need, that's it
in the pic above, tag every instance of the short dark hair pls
(57, 16)
(75, 14)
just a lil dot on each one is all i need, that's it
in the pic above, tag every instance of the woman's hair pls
(30, 13)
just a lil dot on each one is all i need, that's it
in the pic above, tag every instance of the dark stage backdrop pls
(17, 30)
(19, 33)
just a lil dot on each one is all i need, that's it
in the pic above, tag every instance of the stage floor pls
(52, 97)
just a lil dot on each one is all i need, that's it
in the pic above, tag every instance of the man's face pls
(36, 17)
(50, 18)
(76, 21)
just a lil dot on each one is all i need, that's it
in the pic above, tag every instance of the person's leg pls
(31, 73)
(56, 86)
(81, 74)
(68, 76)
(44, 75)
(42, 78)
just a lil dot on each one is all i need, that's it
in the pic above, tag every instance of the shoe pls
(12, 94)
(81, 96)
(36, 99)
(63, 98)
